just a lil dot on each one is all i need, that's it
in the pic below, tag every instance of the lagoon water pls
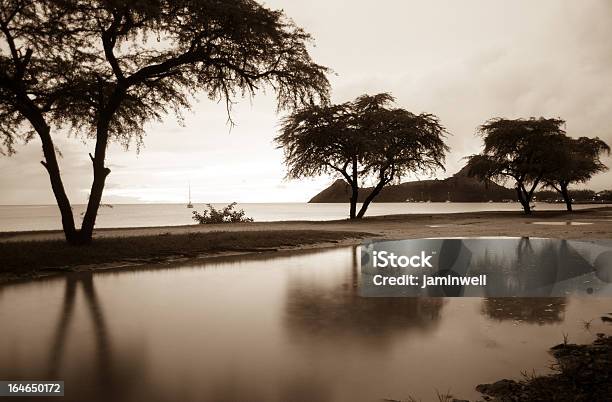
(46, 217)
(281, 327)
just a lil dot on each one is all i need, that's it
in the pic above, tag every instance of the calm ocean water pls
(46, 217)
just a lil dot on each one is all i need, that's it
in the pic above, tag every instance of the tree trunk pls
(52, 167)
(36, 118)
(353, 200)
(100, 173)
(99, 170)
(370, 198)
(354, 190)
(95, 198)
(566, 197)
(523, 199)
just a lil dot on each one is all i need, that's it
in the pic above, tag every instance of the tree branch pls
(109, 39)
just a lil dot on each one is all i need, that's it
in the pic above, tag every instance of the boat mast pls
(189, 204)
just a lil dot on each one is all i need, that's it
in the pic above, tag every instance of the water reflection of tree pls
(528, 309)
(339, 311)
(114, 376)
(534, 269)
(103, 349)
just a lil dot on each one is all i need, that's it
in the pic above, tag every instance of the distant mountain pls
(458, 188)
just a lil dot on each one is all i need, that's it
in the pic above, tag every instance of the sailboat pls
(189, 204)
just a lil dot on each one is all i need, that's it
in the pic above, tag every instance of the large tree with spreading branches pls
(368, 138)
(574, 160)
(520, 150)
(103, 68)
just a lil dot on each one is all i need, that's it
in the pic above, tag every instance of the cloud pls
(464, 61)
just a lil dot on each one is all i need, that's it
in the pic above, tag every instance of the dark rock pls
(500, 387)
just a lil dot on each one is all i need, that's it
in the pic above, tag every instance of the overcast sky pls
(465, 61)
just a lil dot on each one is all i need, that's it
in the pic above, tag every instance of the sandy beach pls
(593, 223)
(35, 254)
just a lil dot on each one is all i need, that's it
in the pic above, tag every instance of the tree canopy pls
(102, 69)
(574, 160)
(519, 149)
(367, 138)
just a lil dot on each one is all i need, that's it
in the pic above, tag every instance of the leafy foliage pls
(149, 56)
(225, 215)
(534, 152)
(575, 160)
(103, 69)
(519, 149)
(367, 138)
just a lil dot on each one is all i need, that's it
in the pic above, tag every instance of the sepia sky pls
(464, 61)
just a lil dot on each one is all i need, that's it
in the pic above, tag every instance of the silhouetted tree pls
(365, 138)
(518, 149)
(575, 161)
(104, 68)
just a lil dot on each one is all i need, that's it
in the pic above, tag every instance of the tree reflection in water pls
(536, 310)
(538, 266)
(106, 376)
(103, 349)
(318, 311)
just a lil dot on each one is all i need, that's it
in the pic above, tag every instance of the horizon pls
(222, 202)
(547, 59)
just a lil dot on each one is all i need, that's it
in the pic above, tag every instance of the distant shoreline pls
(381, 223)
(33, 219)
(112, 204)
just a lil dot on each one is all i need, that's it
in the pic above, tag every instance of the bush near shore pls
(227, 214)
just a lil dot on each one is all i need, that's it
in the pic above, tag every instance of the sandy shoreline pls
(588, 223)
(26, 255)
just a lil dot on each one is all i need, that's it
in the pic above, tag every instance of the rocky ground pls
(581, 373)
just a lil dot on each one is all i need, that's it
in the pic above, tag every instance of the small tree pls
(365, 138)
(575, 161)
(105, 68)
(518, 149)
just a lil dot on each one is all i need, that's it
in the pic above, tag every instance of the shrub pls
(225, 215)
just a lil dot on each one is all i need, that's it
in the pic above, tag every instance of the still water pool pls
(271, 328)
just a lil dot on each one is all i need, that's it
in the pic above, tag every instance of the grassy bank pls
(29, 258)
(582, 373)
